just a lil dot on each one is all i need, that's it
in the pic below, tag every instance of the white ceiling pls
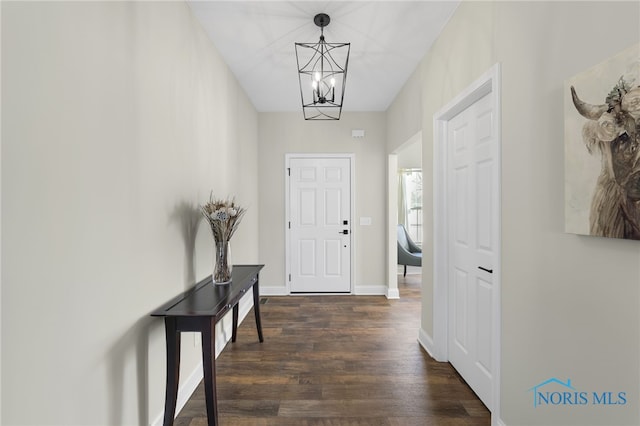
(388, 40)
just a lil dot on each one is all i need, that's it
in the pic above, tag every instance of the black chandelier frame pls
(323, 71)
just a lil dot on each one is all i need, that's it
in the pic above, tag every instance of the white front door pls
(320, 225)
(472, 211)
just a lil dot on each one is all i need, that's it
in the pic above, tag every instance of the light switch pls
(357, 133)
(365, 221)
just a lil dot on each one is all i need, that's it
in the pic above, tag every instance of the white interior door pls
(472, 211)
(320, 225)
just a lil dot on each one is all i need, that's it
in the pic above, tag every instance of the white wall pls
(569, 303)
(282, 133)
(0, 222)
(575, 298)
(404, 116)
(118, 119)
(461, 54)
(410, 154)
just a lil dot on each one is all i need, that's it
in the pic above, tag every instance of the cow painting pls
(612, 132)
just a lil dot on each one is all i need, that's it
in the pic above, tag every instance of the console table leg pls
(208, 334)
(173, 369)
(256, 309)
(234, 332)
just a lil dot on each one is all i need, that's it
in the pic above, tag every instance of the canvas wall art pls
(602, 148)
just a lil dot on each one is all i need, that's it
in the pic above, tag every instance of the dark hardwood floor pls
(337, 361)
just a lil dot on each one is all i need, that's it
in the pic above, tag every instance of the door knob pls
(486, 270)
(344, 231)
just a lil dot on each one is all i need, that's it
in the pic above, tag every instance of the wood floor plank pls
(337, 361)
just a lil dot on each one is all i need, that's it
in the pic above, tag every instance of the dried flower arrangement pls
(223, 216)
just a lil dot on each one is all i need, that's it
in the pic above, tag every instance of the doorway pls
(466, 302)
(319, 206)
(404, 206)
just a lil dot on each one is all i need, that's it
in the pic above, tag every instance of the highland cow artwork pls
(602, 149)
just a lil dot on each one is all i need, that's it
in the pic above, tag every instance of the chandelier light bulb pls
(317, 76)
(333, 82)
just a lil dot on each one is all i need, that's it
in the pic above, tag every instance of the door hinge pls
(289, 277)
(289, 170)
(289, 225)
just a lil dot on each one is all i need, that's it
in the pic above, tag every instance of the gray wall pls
(282, 133)
(569, 303)
(404, 116)
(118, 119)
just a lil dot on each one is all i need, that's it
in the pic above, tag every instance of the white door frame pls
(287, 232)
(392, 291)
(488, 83)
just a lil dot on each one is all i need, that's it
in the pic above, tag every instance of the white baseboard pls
(392, 293)
(427, 343)
(186, 390)
(370, 290)
(273, 291)
(223, 336)
(361, 290)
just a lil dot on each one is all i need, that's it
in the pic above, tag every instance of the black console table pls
(199, 309)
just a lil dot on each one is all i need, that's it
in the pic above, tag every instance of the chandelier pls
(322, 73)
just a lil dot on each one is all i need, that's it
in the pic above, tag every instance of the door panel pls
(307, 264)
(320, 203)
(461, 235)
(484, 321)
(460, 300)
(472, 208)
(484, 205)
(333, 267)
(307, 207)
(333, 209)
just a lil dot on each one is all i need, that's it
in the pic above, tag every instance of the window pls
(410, 203)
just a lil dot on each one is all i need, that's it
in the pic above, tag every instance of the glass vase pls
(221, 263)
